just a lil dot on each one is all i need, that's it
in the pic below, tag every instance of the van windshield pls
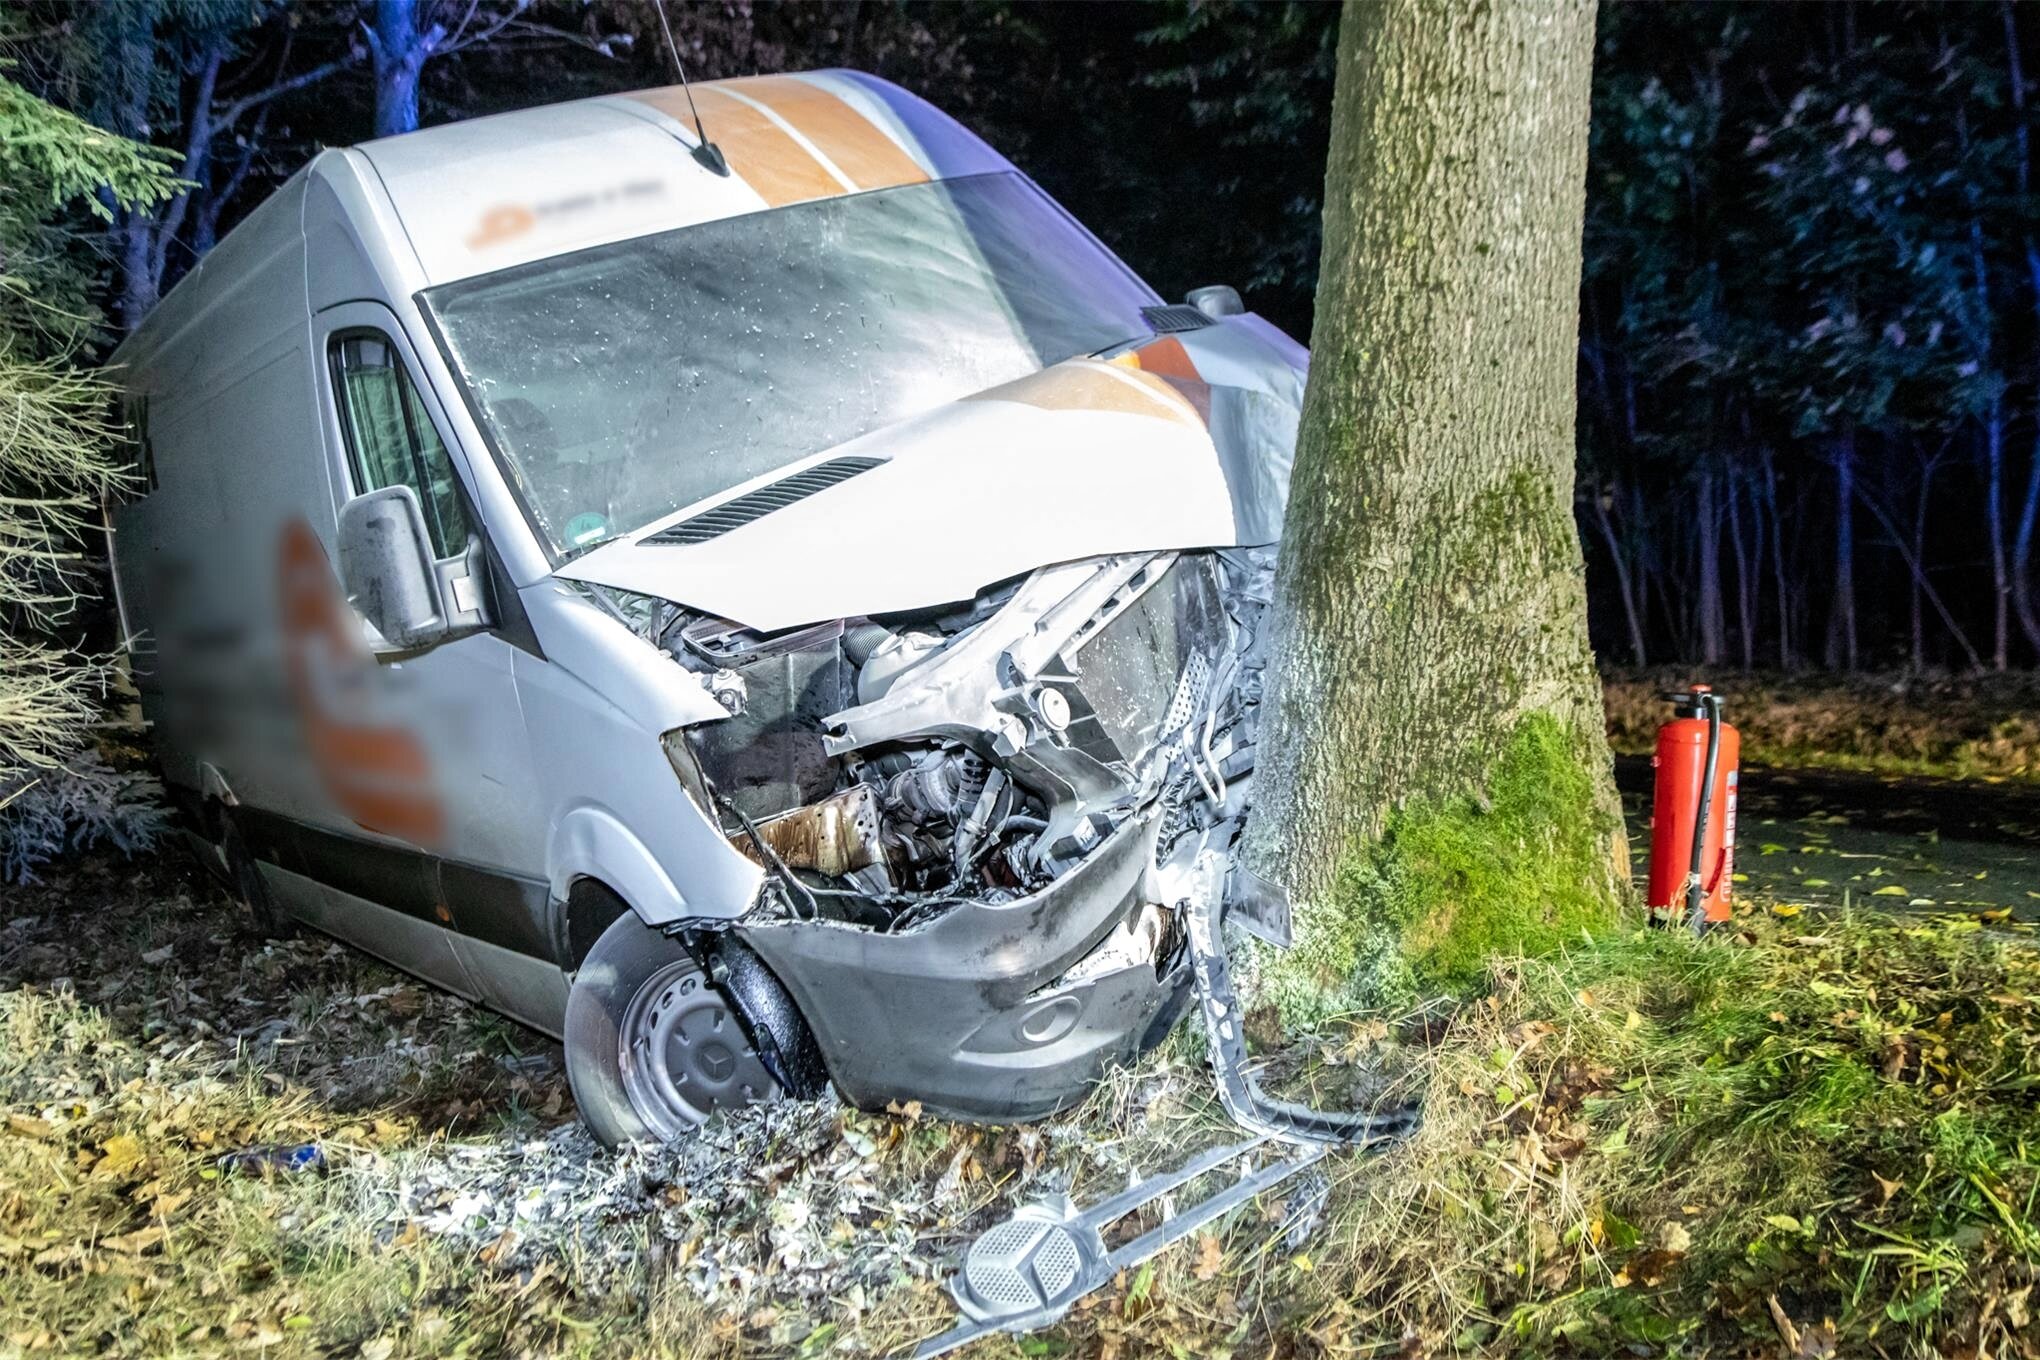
(621, 383)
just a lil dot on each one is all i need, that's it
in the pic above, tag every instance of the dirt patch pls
(172, 964)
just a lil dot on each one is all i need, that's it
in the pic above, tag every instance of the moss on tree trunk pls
(1434, 781)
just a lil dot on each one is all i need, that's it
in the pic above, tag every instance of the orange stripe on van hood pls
(1080, 385)
(1168, 358)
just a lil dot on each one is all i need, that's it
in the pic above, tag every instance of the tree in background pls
(1810, 361)
(1257, 81)
(404, 35)
(57, 448)
(202, 78)
(1434, 783)
(1808, 336)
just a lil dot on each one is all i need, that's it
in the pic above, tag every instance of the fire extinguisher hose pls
(1696, 892)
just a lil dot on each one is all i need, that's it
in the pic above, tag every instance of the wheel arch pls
(591, 846)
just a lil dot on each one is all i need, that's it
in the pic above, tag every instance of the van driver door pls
(432, 845)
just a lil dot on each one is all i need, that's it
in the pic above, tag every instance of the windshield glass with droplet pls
(625, 382)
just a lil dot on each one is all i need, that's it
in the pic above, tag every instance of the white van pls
(770, 618)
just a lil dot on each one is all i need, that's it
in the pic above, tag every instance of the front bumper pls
(971, 1013)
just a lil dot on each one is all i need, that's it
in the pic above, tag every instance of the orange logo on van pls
(502, 222)
(379, 775)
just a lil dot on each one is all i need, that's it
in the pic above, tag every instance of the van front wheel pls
(652, 1045)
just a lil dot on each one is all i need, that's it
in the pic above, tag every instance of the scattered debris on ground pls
(1814, 1135)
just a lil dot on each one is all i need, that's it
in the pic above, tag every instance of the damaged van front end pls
(968, 889)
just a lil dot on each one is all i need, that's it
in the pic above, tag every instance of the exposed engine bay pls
(881, 769)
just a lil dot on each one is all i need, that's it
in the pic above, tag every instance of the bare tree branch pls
(229, 115)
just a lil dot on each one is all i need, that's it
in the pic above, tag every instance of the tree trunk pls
(2029, 504)
(1994, 526)
(1928, 467)
(135, 61)
(1842, 623)
(1778, 563)
(400, 48)
(1745, 597)
(1623, 585)
(2022, 555)
(1708, 569)
(2029, 508)
(1429, 654)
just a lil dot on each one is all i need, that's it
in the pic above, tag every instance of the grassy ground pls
(1981, 727)
(1814, 1135)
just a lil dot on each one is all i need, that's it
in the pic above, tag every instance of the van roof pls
(481, 195)
(488, 193)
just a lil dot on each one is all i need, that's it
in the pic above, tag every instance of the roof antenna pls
(706, 152)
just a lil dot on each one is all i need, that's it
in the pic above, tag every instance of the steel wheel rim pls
(682, 1053)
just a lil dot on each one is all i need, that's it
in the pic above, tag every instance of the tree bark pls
(1430, 600)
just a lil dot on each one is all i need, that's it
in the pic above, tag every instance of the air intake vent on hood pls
(757, 504)
(1173, 318)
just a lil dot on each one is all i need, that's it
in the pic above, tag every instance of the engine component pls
(881, 655)
(767, 757)
(837, 836)
(980, 820)
(727, 688)
(939, 786)
(722, 643)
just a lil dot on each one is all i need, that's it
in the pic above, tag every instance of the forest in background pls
(1810, 325)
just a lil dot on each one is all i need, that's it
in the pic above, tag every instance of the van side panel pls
(222, 365)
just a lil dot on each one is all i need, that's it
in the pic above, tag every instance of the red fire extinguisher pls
(1692, 821)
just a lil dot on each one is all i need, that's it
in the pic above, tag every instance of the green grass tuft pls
(1455, 882)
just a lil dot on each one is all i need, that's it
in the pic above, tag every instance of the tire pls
(652, 1046)
(250, 887)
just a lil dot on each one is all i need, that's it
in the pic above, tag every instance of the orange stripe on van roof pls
(860, 149)
(759, 151)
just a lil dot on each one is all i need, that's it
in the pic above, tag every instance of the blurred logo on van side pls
(378, 774)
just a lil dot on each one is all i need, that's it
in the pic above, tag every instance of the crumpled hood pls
(1183, 443)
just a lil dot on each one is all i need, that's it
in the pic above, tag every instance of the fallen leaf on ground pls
(119, 1155)
(136, 1242)
(1787, 1332)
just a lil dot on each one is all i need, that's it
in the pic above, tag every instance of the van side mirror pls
(1216, 300)
(386, 567)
